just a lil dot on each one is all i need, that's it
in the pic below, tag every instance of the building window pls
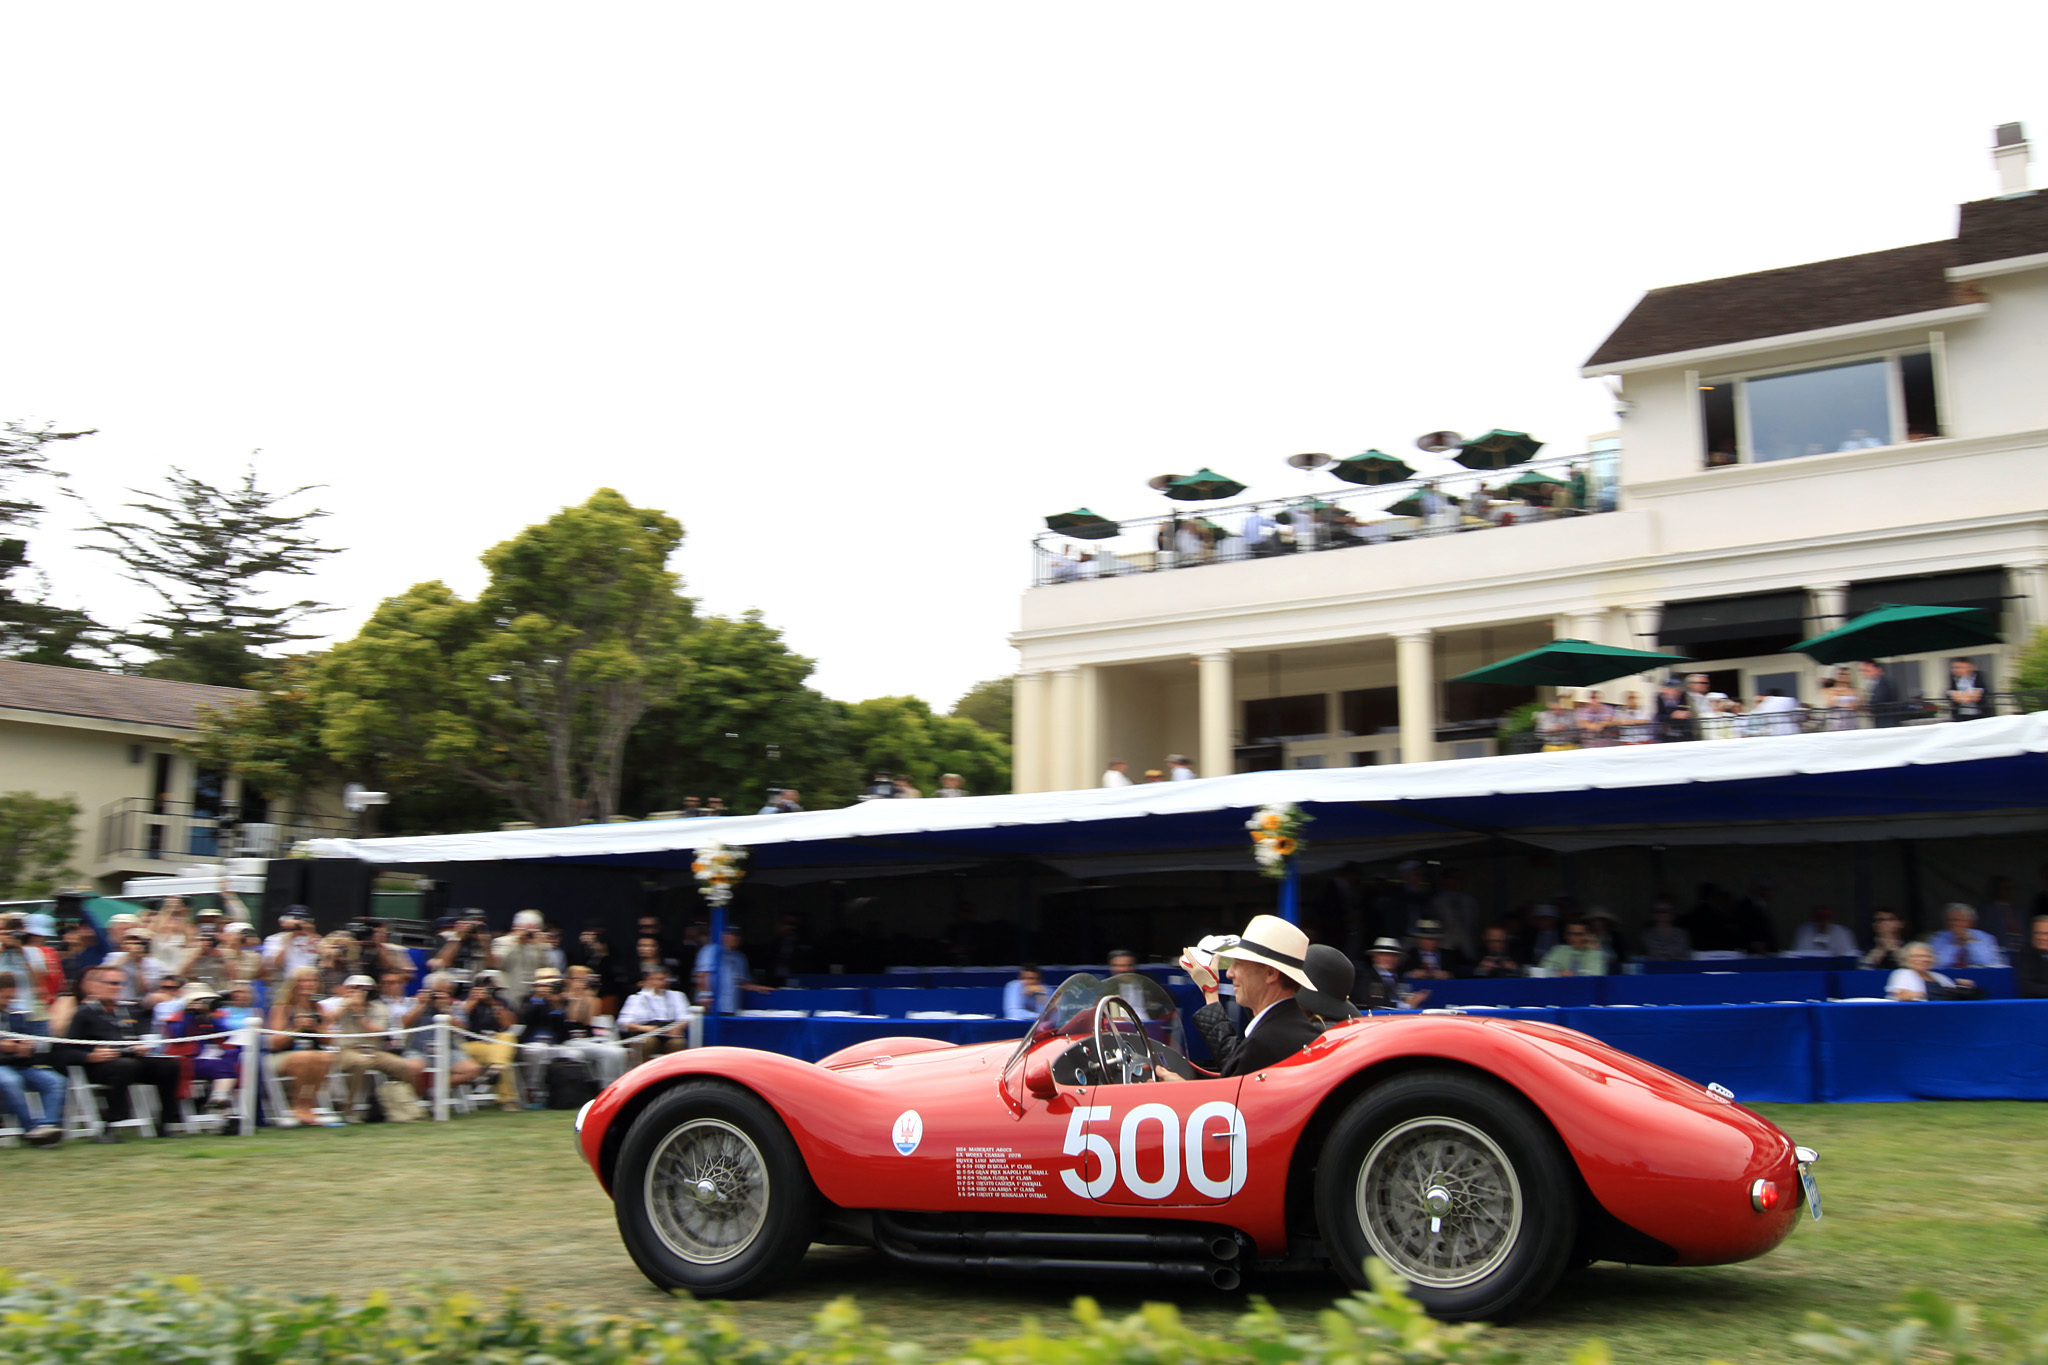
(1275, 719)
(1853, 405)
(1372, 711)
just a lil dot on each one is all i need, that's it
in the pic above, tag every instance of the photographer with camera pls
(521, 954)
(375, 953)
(211, 961)
(465, 947)
(482, 1010)
(304, 1053)
(360, 1026)
(605, 1058)
(294, 945)
(437, 997)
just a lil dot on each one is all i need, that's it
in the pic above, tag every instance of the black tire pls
(754, 1220)
(1471, 1152)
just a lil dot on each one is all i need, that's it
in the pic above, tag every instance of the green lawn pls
(1953, 1196)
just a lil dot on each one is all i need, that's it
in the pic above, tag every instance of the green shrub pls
(177, 1320)
(1932, 1331)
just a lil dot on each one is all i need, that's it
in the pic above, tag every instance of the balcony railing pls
(1623, 729)
(173, 831)
(1346, 517)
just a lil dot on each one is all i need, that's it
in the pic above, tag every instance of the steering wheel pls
(1131, 1063)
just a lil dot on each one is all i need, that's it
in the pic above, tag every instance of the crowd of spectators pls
(1425, 926)
(162, 999)
(1864, 697)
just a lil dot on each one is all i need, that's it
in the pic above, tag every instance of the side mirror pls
(1038, 1078)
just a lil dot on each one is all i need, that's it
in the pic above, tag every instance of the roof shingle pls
(1796, 298)
(109, 696)
(2000, 229)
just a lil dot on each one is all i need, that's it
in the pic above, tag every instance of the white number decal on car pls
(1193, 1142)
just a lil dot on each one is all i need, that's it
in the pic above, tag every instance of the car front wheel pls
(1455, 1182)
(711, 1193)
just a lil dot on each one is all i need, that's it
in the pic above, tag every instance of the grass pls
(1950, 1196)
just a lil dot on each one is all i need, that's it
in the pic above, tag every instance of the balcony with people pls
(1486, 484)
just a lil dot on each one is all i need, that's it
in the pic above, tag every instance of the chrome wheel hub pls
(707, 1191)
(1439, 1202)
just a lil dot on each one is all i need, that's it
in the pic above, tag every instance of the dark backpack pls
(569, 1084)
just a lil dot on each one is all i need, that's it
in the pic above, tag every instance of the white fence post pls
(252, 1077)
(443, 1055)
(696, 1029)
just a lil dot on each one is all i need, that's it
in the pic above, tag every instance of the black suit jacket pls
(1284, 1031)
(2030, 972)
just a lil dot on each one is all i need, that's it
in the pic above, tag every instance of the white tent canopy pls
(1917, 781)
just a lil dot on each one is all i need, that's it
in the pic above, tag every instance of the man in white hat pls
(1268, 966)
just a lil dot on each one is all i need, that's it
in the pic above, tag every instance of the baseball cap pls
(360, 980)
(39, 924)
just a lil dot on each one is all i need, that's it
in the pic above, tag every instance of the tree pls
(745, 722)
(901, 735)
(531, 691)
(32, 628)
(203, 551)
(36, 838)
(2030, 674)
(991, 705)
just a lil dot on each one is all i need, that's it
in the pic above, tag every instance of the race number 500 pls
(1187, 1151)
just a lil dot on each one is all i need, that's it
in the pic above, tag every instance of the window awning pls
(1726, 618)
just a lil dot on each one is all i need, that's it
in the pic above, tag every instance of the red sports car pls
(1479, 1158)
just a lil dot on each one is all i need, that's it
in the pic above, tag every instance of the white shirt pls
(1906, 979)
(1261, 1015)
(1834, 941)
(298, 952)
(648, 1007)
(1180, 772)
(1113, 777)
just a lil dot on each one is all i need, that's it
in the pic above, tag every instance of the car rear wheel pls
(1455, 1182)
(711, 1193)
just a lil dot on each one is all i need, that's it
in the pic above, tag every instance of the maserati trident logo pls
(908, 1132)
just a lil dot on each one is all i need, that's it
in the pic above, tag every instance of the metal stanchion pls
(696, 1029)
(443, 1059)
(252, 1077)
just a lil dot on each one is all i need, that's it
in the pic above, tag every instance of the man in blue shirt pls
(738, 976)
(1963, 944)
(1025, 997)
(27, 1064)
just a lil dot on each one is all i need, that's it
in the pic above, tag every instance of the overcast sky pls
(860, 292)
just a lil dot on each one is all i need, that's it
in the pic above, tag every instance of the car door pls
(1158, 1143)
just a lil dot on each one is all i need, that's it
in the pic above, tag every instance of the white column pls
(1060, 750)
(1027, 733)
(1215, 758)
(1827, 606)
(1414, 674)
(1088, 728)
(1644, 621)
(2029, 610)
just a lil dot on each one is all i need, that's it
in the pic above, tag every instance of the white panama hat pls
(1273, 941)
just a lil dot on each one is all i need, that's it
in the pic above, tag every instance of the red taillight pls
(1764, 1196)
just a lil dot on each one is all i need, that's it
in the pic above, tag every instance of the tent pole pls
(713, 1024)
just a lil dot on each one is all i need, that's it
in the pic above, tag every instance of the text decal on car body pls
(1217, 1123)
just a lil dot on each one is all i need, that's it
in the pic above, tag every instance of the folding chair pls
(10, 1137)
(82, 1111)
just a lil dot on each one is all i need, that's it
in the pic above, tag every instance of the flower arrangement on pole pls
(718, 869)
(1276, 837)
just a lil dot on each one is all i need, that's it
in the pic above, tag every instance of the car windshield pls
(1070, 1013)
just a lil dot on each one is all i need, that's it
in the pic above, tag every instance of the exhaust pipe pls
(1225, 1277)
(1056, 1265)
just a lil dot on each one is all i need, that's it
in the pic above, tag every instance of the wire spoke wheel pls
(707, 1191)
(1439, 1202)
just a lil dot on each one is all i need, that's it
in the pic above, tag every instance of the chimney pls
(2010, 155)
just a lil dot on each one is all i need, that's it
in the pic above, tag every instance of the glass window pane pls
(1843, 407)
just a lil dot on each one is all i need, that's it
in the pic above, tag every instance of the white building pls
(114, 745)
(1796, 446)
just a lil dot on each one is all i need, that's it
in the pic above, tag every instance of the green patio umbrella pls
(1083, 524)
(1307, 505)
(1204, 485)
(1373, 467)
(1891, 630)
(1498, 449)
(1411, 506)
(1570, 663)
(1533, 481)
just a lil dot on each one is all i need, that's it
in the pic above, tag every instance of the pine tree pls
(32, 628)
(202, 550)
